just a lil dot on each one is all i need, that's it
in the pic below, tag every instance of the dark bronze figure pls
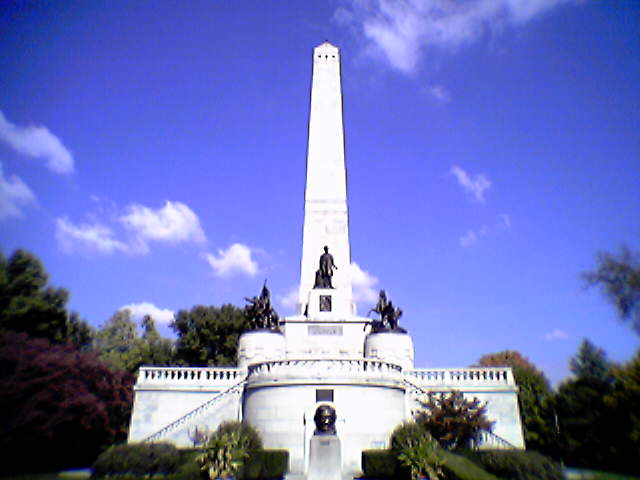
(325, 272)
(325, 420)
(260, 313)
(388, 315)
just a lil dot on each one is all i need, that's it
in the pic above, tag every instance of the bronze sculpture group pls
(388, 315)
(260, 313)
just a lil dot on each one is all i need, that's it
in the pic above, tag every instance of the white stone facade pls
(325, 354)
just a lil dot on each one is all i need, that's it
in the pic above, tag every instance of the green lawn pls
(68, 475)
(572, 474)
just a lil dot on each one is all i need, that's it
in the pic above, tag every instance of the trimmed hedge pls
(517, 464)
(383, 464)
(265, 465)
(137, 459)
(380, 464)
(457, 467)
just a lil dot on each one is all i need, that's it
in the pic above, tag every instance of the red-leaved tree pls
(58, 406)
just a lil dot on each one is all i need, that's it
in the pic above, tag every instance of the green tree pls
(619, 277)
(453, 420)
(534, 394)
(209, 335)
(155, 350)
(27, 302)
(624, 404)
(119, 344)
(586, 436)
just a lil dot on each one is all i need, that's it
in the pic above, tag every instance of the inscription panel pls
(324, 329)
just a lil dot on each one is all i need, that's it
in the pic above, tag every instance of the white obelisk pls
(326, 218)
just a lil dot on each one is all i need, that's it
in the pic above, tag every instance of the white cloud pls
(401, 32)
(555, 334)
(364, 285)
(235, 260)
(472, 237)
(439, 93)
(37, 142)
(476, 186)
(160, 315)
(14, 195)
(95, 238)
(173, 223)
(468, 239)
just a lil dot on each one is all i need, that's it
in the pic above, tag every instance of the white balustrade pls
(300, 369)
(189, 376)
(474, 376)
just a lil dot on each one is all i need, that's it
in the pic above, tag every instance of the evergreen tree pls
(623, 403)
(27, 303)
(585, 433)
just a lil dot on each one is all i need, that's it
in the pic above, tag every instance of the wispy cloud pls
(402, 32)
(88, 237)
(439, 93)
(235, 260)
(468, 239)
(37, 142)
(554, 335)
(160, 315)
(14, 196)
(364, 285)
(173, 223)
(475, 185)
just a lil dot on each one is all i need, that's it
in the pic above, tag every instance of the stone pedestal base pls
(260, 346)
(325, 458)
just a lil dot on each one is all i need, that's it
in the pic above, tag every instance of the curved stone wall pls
(281, 398)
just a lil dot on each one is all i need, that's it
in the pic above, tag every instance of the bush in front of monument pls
(137, 460)
(453, 420)
(520, 464)
(235, 451)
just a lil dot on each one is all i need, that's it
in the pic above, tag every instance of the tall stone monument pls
(324, 384)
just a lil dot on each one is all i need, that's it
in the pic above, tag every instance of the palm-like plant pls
(224, 455)
(421, 456)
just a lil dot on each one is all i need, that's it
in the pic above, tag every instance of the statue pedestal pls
(325, 458)
(326, 304)
(393, 346)
(260, 346)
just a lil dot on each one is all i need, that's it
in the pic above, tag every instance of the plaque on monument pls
(325, 303)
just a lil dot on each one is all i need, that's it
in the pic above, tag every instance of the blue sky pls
(153, 155)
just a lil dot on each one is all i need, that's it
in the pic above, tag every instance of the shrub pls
(265, 464)
(517, 464)
(139, 459)
(380, 464)
(228, 450)
(406, 434)
(457, 467)
(250, 436)
(453, 420)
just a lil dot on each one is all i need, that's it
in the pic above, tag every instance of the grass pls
(575, 474)
(67, 475)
